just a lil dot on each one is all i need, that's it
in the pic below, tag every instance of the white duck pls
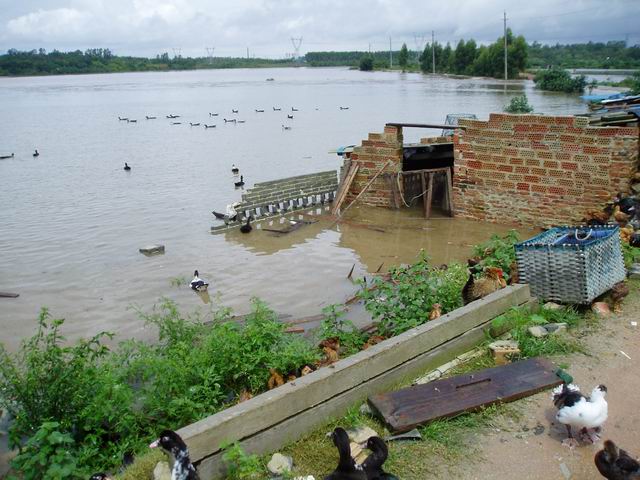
(198, 284)
(586, 414)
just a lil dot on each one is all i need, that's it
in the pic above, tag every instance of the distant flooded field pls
(72, 221)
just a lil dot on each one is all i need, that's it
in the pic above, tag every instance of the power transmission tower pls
(210, 51)
(505, 45)
(433, 51)
(419, 41)
(176, 52)
(297, 43)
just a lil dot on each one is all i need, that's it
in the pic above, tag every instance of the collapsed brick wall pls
(372, 155)
(539, 170)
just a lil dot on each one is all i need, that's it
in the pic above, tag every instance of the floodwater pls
(72, 221)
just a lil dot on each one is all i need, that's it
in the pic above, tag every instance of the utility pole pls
(297, 43)
(505, 45)
(433, 50)
(247, 52)
(390, 55)
(210, 51)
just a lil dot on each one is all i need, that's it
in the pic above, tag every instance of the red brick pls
(570, 165)
(523, 186)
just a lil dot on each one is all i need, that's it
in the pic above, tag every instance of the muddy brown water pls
(72, 221)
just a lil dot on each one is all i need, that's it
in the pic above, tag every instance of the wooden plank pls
(297, 426)
(343, 189)
(426, 201)
(9, 295)
(405, 409)
(271, 407)
(366, 187)
(449, 194)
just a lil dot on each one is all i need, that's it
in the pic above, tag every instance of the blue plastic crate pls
(571, 264)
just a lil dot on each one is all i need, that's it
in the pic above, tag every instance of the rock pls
(555, 328)
(410, 435)
(161, 471)
(634, 271)
(361, 434)
(280, 464)
(503, 351)
(538, 331)
(149, 250)
(552, 306)
(601, 309)
(365, 409)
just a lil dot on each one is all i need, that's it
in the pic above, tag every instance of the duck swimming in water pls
(198, 284)
(246, 228)
(126, 167)
(36, 153)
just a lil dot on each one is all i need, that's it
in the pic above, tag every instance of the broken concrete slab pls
(280, 464)
(152, 250)
(504, 351)
(538, 331)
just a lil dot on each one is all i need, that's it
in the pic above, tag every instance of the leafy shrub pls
(334, 325)
(559, 80)
(519, 105)
(498, 252)
(240, 465)
(406, 300)
(47, 455)
(72, 385)
(366, 64)
(630, 254)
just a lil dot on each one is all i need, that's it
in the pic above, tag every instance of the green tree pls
(519, 105)
(366, 64)
(559, 80)
(403, 57)
(464, 56)
(490, 60)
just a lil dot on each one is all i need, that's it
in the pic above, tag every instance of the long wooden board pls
(344, 186)
(9, 295)
(269, 408)
(405, 409)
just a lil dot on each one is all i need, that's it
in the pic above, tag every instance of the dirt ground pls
(531, 447)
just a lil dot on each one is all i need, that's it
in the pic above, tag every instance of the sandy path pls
(531, 447)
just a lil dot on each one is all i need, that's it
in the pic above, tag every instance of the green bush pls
(406, 300)
(366, 64)
(559, 80)
(47, 455)
(498, 252)
(240, 465)
(519, 105)
(334, 325)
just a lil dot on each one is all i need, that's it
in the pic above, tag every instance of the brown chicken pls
(373, 340)
(275, 380)
(306, 370)
(617, 293)
(436, 311)
(244, 396)
(476, 288)
(596, 217)
(626, 233)
(621, 217)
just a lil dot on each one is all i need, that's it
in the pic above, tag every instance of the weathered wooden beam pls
(296, 427)
(270, 408)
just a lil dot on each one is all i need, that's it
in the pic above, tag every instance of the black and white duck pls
(616, 464)
(198, 284)
(372, 465)
(347, 468)
(36, 153)
(126, 167)
(579, 412)
(246, 228)
(176, 449)
(235, 170)
(240, 183)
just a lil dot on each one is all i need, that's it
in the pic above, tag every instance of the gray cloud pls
(147, 27)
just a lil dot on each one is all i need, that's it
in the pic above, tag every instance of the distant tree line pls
(585, 55)
(99, 60)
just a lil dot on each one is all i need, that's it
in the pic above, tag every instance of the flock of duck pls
(35, 154)
(578, 412)
(234, 111)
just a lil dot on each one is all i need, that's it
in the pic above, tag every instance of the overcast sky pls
(148, 27)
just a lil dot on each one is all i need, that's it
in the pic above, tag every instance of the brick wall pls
(539, 170)
(372, 155)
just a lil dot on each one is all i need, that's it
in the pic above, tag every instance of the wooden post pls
(450, 193)
(426, 202)
(389, 162)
